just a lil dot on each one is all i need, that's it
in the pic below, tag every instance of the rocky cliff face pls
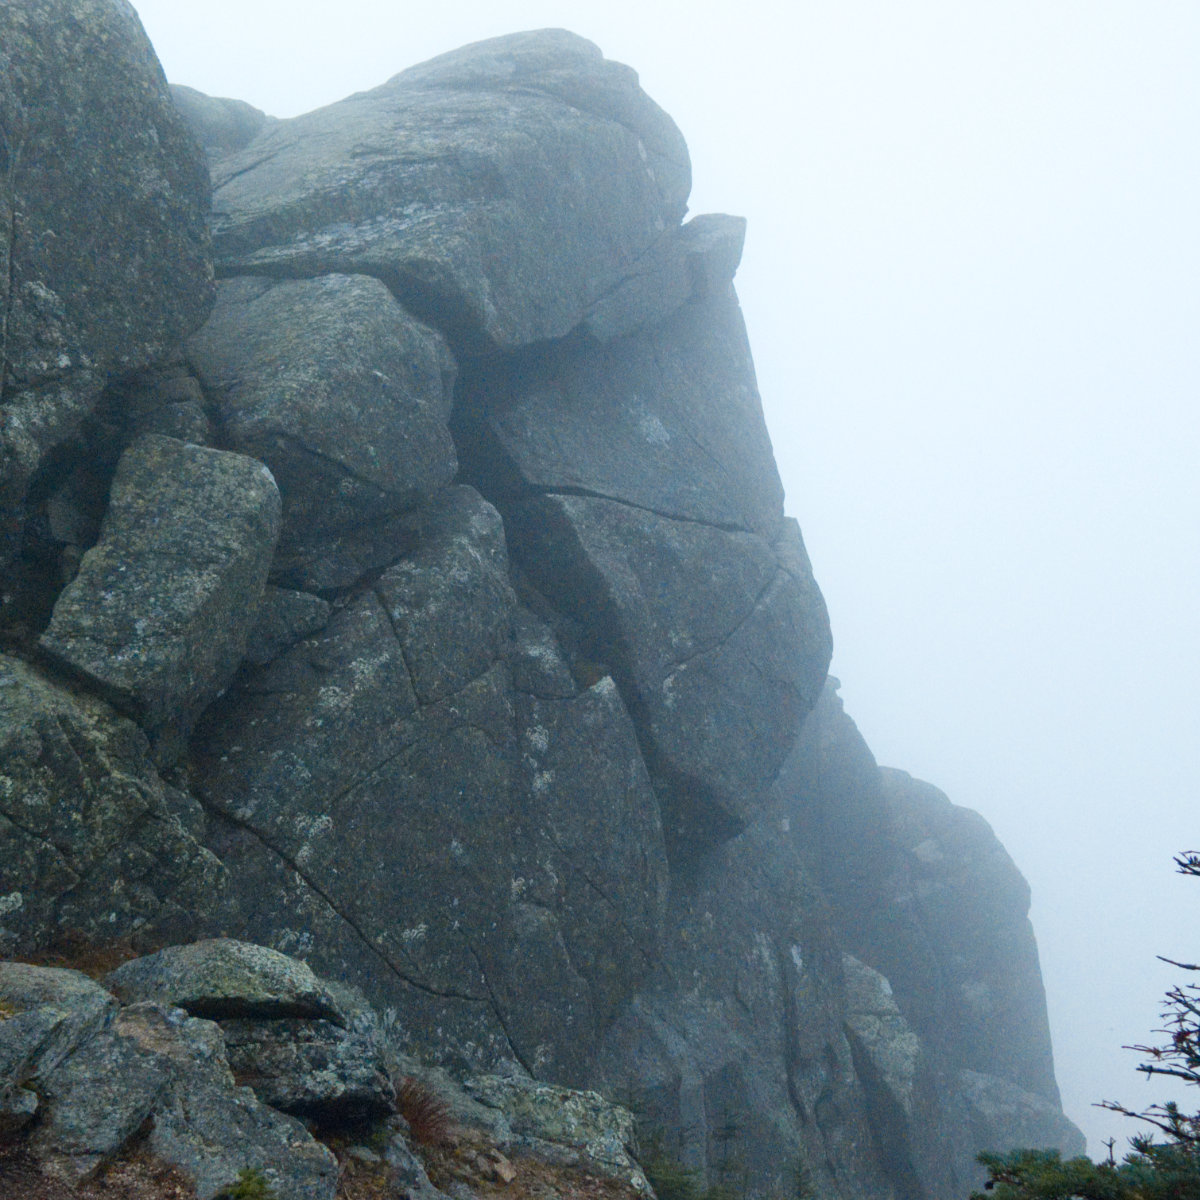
(423, 604)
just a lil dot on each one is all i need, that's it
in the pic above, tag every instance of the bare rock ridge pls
(418, 604)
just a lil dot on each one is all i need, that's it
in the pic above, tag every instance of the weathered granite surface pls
(463, 649)
(159, 614)
(500, 190)
(104, 248)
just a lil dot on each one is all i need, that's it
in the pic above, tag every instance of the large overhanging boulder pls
(500, 191)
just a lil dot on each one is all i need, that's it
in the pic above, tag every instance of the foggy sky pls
(972, 285)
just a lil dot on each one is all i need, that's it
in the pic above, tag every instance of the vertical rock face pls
(936, 914)
(104, 252)
(463, 644)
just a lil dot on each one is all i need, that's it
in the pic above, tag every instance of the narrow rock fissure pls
(351, 923)
(651, 960)
(590, 494)
(497, 1009)
(633, 271)
(258, 162)
(790, 1017)
(290, 439)
(722, 642)
(387, 612)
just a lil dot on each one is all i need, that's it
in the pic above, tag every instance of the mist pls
(970, 277)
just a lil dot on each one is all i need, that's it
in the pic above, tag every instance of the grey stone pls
(44, 1015)
(213, 1130)
(886, 1037)
(1003, 1115)
(100, 1096)
(406, 1170)
(89, 141)
(597, 1134)
(499, 190)
(734, 1052)
(921, 893)
(222, 126)
(312, 1069)
(668, 419)
(450, 601)
(698, 261)
(341, 393)
(166, 399)
(224, 978)
(973, 904)
(91, 842)
(537, 662)
(159, 614)
(284, 618)
(432, 832)
(718, 651)
(588, 813)
(103, 1074)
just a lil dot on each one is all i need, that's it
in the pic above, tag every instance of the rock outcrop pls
(430, 613)
(104, 249)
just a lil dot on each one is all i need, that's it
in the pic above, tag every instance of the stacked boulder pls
(421, 602)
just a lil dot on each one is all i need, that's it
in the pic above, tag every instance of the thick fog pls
(972, 283)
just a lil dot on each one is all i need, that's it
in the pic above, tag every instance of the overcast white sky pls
(972, 282)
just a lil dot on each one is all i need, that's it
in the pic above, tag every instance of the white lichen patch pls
(929, 852)
(538, 738)
(334, 697)
(11, 903)
(410, 937)
(653, 430)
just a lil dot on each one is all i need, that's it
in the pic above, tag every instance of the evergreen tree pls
(1164, 1165)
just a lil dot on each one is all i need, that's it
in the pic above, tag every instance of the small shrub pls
(670, 1179)
(427, 1114)
(251, 1185)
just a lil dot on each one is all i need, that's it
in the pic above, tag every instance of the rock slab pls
(158, 616)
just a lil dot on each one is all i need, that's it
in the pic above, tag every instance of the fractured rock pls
(575, 1128)
(93, 844)
(719, 652)
(500, 190)
(444, 835)
(103, 1074)
(450, 601)
(44, 1015)
(103, 225)
(884, 1035)
(342, 394)
(697, 261)
(284, 618)
(312, 1069)
(159, 614)
(668, 419)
